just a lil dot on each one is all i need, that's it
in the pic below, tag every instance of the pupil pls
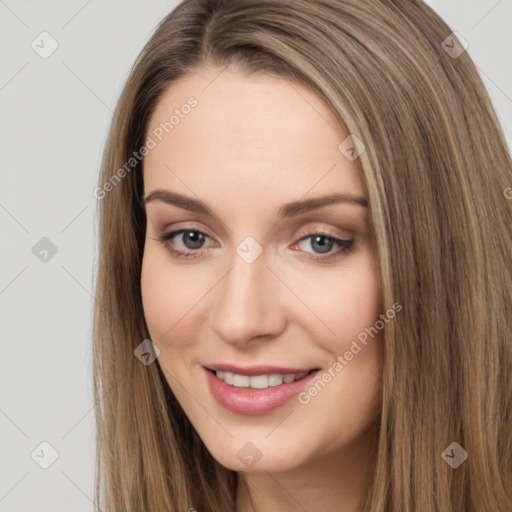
(195, 239)
(325, 247)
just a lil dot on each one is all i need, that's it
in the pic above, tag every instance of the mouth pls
(259, 380)
(258, 393)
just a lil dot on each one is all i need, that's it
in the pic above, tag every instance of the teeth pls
(241, 381)
(258, 381)
(275, 380)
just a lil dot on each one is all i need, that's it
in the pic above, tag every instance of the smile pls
(256, 394)
(258, 381)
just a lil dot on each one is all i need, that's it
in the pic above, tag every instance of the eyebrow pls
(286, 210)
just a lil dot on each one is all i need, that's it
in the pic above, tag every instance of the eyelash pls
(345, 245)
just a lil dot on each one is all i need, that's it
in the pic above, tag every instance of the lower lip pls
(253, 402)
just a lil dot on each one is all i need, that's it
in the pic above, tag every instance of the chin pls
(258, 455)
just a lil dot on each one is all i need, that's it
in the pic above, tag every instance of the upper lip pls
(256, 370)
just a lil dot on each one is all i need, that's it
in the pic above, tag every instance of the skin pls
(251, 144)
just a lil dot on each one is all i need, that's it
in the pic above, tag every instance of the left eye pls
(323, 243)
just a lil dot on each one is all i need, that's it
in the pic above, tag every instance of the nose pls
(248, 303)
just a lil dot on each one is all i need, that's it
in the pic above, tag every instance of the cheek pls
(347, 300)
(156, 296)
(360, 342)
(358, 304)
(167, 295)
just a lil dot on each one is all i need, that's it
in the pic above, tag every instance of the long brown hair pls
(436, 166)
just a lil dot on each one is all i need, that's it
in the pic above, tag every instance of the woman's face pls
(267, 281)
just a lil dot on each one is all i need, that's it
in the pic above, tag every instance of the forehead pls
(224, 130)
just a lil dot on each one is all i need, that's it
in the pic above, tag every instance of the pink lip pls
(255, 370)
(253, 402)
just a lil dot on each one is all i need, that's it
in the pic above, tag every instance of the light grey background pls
(54, 118)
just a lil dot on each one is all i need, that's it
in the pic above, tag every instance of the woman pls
(305, 267)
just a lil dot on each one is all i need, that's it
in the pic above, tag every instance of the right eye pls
(191, 240)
